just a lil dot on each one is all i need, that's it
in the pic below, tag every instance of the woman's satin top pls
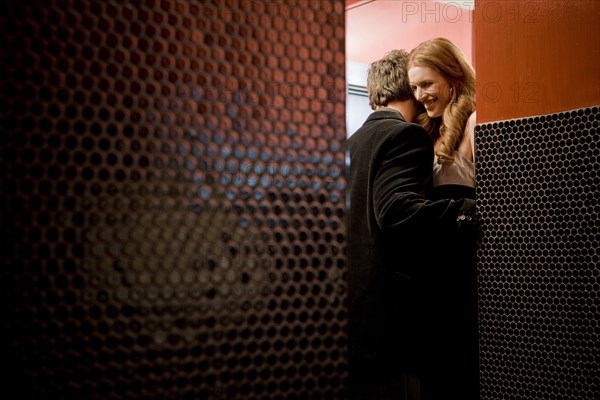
(460, 172)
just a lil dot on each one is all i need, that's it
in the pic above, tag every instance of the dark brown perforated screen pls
(538, 261)
(173, 199)
(172, 211)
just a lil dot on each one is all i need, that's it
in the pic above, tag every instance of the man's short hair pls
(387, 80)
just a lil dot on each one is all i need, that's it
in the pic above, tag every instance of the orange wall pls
(535, 57)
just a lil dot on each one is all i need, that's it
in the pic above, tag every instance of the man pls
(392, 230)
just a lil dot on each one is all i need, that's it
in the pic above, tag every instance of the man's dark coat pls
(391, 248)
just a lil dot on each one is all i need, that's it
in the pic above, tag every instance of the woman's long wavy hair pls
(445, 57)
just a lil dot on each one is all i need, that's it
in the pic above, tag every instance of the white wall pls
(357, 100)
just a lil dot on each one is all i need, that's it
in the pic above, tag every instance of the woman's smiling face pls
(431, 89)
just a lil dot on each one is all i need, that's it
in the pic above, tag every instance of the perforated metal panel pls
(173, 199)
(538, 261)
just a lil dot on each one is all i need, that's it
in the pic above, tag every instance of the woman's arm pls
(470, 132)
(467, 144)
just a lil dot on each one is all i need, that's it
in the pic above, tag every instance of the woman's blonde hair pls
(445, 57)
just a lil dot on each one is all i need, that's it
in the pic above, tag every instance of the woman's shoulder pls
(471, 121)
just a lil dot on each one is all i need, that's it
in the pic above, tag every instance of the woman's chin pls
(433, 113)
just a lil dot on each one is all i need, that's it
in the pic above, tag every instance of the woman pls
(443, 81)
